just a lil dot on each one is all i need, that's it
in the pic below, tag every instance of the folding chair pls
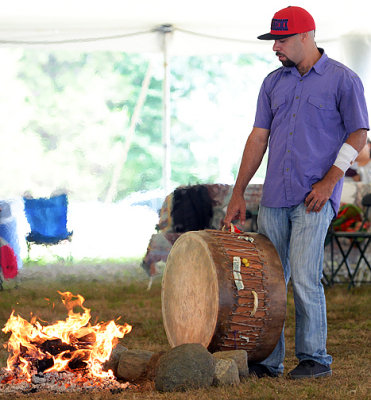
(48, 221)
(358, 240)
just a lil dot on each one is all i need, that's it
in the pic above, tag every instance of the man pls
(312, 114)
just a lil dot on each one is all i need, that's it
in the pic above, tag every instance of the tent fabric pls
(198, 26)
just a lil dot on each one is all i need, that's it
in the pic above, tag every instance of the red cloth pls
(8, 262)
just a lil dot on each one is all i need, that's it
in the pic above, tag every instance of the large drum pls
(224, 290)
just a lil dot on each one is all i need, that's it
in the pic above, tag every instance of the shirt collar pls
(318, 67)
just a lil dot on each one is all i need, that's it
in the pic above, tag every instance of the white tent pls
(181, 27)
(132, 25)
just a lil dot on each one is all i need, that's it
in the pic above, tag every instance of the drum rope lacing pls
(239, 283)
(245, 334)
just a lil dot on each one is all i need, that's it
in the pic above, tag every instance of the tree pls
(73, 112)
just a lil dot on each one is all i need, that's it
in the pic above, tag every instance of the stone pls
(133, 364)
(188, 366)
(239, 356)
(39, 378)
(226, 372)
(153, 365)
(113, 361)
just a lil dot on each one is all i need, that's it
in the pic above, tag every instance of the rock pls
(188, 366)
(113, 361)
(226, 372)
(152, 365)
(239, 356)
(39, 378)
(133, 364)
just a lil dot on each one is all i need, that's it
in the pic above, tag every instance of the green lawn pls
(113, 290)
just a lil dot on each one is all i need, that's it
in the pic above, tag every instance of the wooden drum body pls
(207, 298)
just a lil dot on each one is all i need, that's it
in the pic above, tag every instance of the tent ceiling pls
(47, 20)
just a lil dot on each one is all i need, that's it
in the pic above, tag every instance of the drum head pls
(190, 292)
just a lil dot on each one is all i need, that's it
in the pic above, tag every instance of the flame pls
(78, 341)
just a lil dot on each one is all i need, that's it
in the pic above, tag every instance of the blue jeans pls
(299, 239)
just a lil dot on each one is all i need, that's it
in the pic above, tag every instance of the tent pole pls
(166, 31)
(129, 134)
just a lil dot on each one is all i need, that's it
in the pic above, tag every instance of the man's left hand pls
(317, 198)
(322, 190)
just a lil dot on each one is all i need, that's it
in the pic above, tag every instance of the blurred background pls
(119, 105)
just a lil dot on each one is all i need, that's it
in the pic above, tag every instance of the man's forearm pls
(357, 139)
(350, 150)
(255, 147)
(322, 190)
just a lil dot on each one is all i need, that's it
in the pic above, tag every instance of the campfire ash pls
(65, 356)
(58, 382)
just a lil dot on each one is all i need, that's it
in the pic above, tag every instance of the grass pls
(115, 290)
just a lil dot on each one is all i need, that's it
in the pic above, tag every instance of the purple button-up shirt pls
(309, 118)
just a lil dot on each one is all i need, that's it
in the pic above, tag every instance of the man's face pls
(288, 50)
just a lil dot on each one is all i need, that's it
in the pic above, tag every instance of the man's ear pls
(303, 36)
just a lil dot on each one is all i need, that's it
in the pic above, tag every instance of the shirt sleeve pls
(263, 116)
(352, 105)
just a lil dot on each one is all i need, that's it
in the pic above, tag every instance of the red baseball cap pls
(289, 22)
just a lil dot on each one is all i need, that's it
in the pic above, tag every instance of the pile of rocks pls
(188, 366)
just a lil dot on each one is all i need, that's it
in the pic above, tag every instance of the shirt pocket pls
(322, 113)
(321, 104)
(278, 103)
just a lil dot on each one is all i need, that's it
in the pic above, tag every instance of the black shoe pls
(309, 369)
(260, 371)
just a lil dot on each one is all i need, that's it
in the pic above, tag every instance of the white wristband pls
(346, 156)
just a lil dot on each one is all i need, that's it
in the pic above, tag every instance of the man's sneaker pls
(260, 371)
(309, 369)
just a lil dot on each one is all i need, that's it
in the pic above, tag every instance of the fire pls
(64, 346)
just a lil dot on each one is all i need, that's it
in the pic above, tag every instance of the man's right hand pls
(236, 210)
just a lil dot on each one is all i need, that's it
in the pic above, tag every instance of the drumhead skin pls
(202, 302)
(190, 292)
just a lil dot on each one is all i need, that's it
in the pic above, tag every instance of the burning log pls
(55, 346)
(74, 356)
(39, 353)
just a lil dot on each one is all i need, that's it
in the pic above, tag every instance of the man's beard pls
(287, 62)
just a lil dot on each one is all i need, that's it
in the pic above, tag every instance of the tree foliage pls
(67, 114)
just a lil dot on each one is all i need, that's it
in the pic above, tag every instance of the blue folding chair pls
(48, 221)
